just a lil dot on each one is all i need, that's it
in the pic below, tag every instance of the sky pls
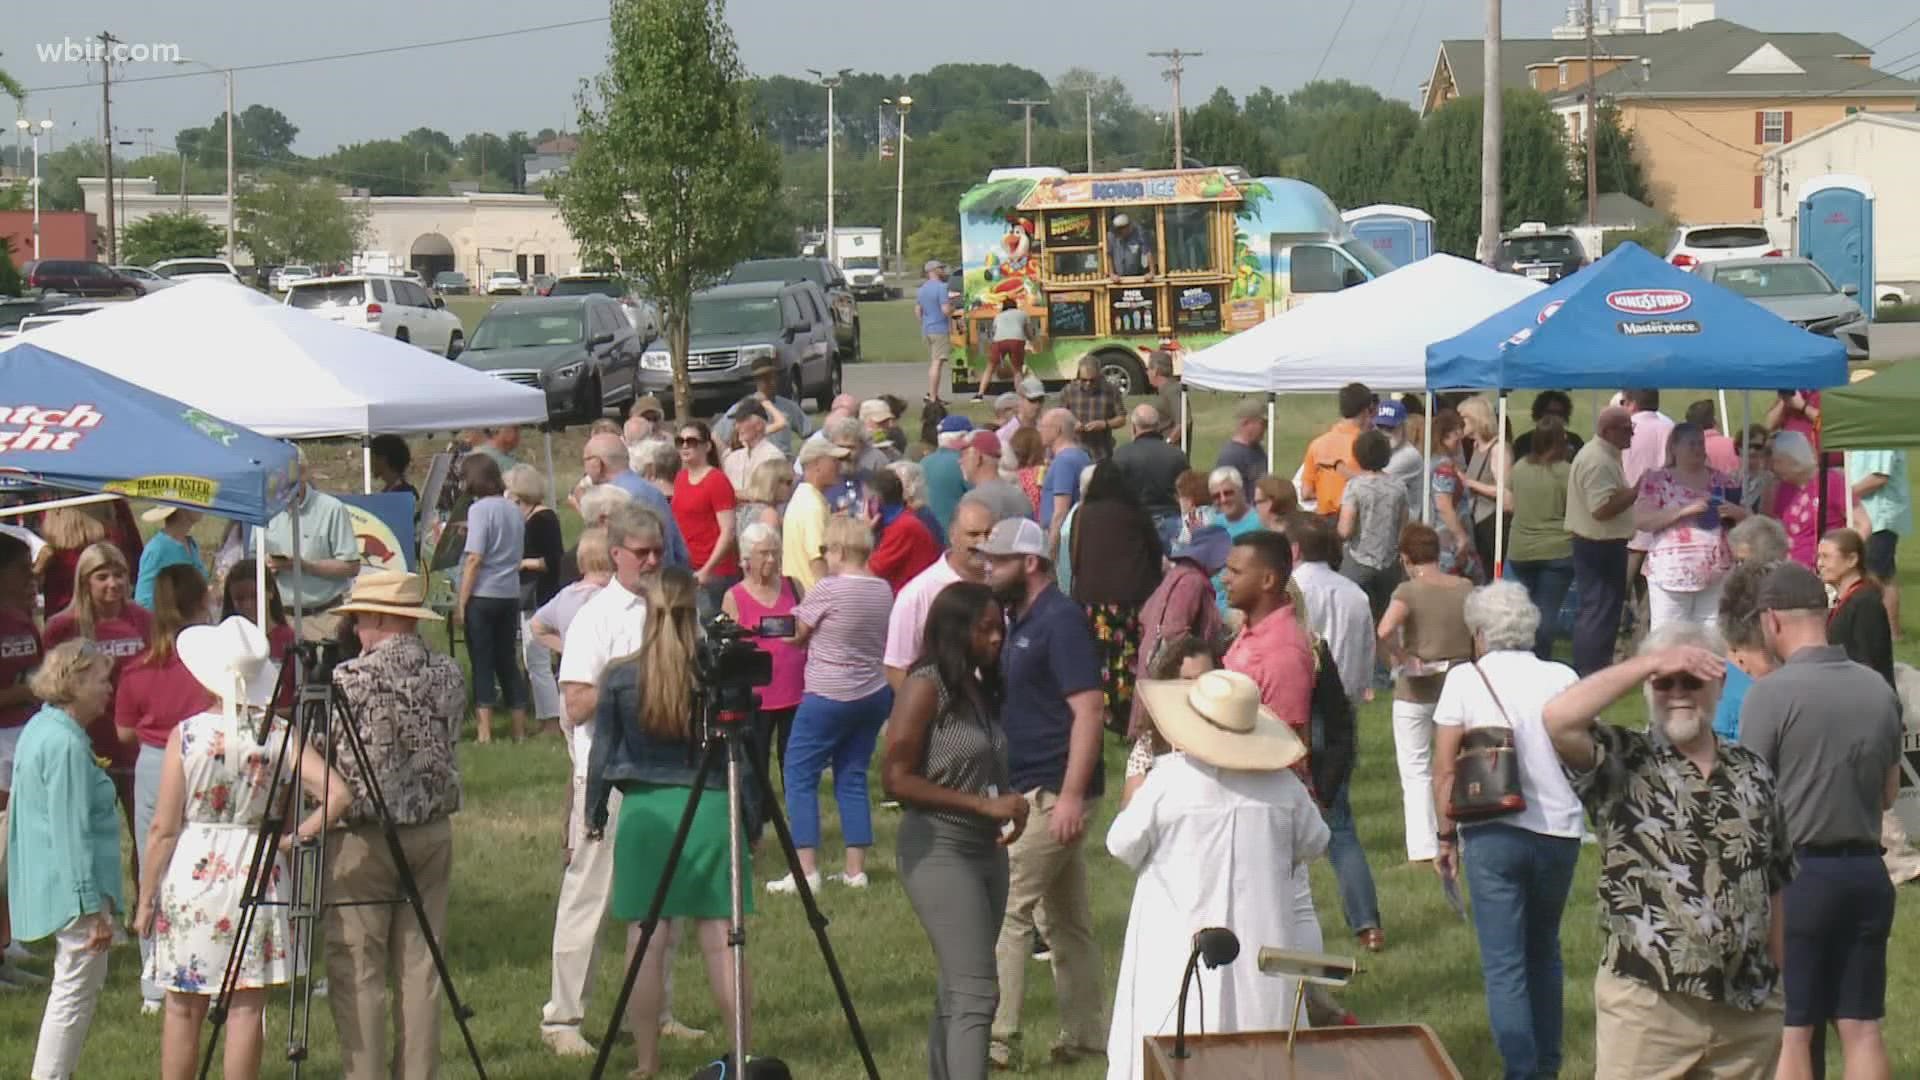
(526, 79)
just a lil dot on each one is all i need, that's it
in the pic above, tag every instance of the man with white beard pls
(1694, 857)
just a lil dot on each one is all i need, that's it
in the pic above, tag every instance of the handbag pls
(1486, 774)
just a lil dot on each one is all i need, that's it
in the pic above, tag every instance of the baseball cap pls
(1006, 401)
(1016, 536)
(932, 265)
(1789, 586)
(1032, 388)
(1122, 219)
(1250, 409)
(1390, 414)
(954, 424)
(763, 365)
(875, 411)
(814, 450)
(986, 442)
(648, 403)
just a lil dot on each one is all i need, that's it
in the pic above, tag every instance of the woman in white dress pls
(214, 791)
(1218, 822)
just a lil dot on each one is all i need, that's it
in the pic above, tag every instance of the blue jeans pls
(1519, 882)
(840, 733)
(1600, 573)
(1357, 899)
(1547, 582)
(493, 651)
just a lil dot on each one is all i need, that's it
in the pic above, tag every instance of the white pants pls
(1702, 607)
(1413, 749)
(78, 975)
(539, 659)
(1306, 920)
(147, 771)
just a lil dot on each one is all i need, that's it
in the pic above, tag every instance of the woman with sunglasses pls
(1232, 512)
(703, 501)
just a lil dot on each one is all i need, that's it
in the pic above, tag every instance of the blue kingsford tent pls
(1631, 320)
(64, 424)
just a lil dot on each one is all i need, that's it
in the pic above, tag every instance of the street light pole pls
(903, 104)
(227, 73)
(832, 83)
(33, 131)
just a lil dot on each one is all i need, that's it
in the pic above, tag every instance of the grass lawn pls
(507, 873)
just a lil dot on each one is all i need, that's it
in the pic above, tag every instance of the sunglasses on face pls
(1665, 683)
(643, 553)
(689, 440)
(1222, 496)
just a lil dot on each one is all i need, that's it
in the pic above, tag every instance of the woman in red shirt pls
(104, 613)
(903, 547)
(703, 508)
(156, 692)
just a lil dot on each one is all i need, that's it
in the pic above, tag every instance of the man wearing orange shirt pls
(1330, 457)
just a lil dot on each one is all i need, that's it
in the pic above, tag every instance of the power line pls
(1373, 64)
(1339, 26)
(383, 51)
(1904, 27)
(1412, 28)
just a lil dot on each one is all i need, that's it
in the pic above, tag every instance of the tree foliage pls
(673, 179)
(1440, 172)
(935, 238)
(262, 135)
(10, 283)
(1354, 154)
(1618, 160)
(1219, 133)
(170, 235)
(282, 219)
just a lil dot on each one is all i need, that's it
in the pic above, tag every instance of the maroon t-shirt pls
(19, 655)
(123, 637)
(152, 699)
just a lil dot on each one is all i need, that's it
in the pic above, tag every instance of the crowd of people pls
(1002, 603)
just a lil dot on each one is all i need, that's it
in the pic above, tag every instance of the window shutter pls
(1759, 192)
(1786, 129)
(1759, 128)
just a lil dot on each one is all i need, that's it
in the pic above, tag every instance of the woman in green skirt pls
(641, 745)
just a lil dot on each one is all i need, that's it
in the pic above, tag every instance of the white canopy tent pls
(285, 373)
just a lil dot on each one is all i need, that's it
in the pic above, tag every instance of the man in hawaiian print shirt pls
(406, 703)
(1695, 854)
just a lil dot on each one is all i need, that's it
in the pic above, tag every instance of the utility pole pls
(1593, 130)
(1028, 106)
(832, 83)
(1089, 128)
(1175, 65)
(107, 42)
(1491, 134)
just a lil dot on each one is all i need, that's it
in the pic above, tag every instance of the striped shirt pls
(848, 615)
(966, 752)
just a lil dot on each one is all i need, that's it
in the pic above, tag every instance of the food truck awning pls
(1121, 189)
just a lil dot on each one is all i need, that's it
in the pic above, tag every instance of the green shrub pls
(1897, 313)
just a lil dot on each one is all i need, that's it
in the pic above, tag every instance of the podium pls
(1387, 1052)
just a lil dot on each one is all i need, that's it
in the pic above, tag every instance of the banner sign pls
(383, 527)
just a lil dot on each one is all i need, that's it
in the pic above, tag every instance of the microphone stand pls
(1180, 1051)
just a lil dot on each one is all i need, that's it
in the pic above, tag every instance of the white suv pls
(385, 304)
(182, 269)
(505, 281)
(1696, 244)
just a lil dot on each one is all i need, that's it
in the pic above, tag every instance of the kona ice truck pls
(1222, 252)
(856, 251)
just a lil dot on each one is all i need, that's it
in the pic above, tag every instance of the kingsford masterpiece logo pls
(38, 428)
(1649, 301)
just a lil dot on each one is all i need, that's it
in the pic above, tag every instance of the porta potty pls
(1836, 232)
(1401, 234)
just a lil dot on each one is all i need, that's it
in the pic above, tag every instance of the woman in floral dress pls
(213, 794)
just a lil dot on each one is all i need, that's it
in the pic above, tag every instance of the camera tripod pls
(728, 727)
(323, 711)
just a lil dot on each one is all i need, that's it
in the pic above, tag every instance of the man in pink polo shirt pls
(973, 519)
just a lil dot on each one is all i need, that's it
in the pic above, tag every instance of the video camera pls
(727, 665)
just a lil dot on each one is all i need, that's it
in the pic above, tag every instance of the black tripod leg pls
(651, 923)
(815, 918)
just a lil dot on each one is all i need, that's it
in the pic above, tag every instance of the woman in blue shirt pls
(64, 812)
(173, 545)
(1747, 654)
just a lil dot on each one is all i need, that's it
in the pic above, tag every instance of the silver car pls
(1799, 292)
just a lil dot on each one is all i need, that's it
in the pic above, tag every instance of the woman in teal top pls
(173, 545)
(64, 832)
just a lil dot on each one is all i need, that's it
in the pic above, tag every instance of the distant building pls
(551, 159)
(474, 232)
(64, 234)
(1705, 98)
(1881, 148)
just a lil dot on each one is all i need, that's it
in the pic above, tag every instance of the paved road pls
(871, 380)
(1889, 341)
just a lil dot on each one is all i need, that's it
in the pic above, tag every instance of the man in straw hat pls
(406, 703)
(1216, 823)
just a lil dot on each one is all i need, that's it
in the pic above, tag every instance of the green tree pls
(1440, 172)
(383, 167)
(935, 238)
(60, 174)
(261, 134)
(170, 235)
(1218, 133)
(1355, 153)
(1618, 160)
(282, 218)
(10, 283)
(672, 177)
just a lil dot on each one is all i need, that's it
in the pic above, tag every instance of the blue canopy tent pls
(66, 425)
(1632, 320)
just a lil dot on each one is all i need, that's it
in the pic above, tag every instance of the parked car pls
(1696, 244)
(832, 284)
(1798, 291)
(580, 350)
(15, 308)
(643, 313)
(287, 275)
(735, 325)
(78, 277)
(56, 314)
(1540, 253)
(451, 283)
(148, 280)
(385, 304)
(504, 282)
(179, 269)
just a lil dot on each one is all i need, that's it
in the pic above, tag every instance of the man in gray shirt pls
(980, 463)
(1830, 729)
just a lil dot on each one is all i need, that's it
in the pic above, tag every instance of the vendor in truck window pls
(1127, 248)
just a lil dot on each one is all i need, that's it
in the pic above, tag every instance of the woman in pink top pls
(765, 592)
(1684, 508)
(156, 693)
(1796, 496)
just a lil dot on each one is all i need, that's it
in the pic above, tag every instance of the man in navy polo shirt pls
(1052, 712)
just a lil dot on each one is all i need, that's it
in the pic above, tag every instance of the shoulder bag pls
(1486, 774)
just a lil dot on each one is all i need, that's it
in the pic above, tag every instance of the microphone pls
(1216, 945)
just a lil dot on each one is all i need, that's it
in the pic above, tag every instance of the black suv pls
(1541, 254)
(580, 350)
(77, 277)
(735, 326)
(822, 272)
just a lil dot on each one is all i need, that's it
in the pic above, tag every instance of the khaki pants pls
(379, 944)
(1040, 870)
(1643, 1034)
(585, 888)
(319, 627)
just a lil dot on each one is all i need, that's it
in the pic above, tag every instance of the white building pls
(474, 233)
(1884, 149)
